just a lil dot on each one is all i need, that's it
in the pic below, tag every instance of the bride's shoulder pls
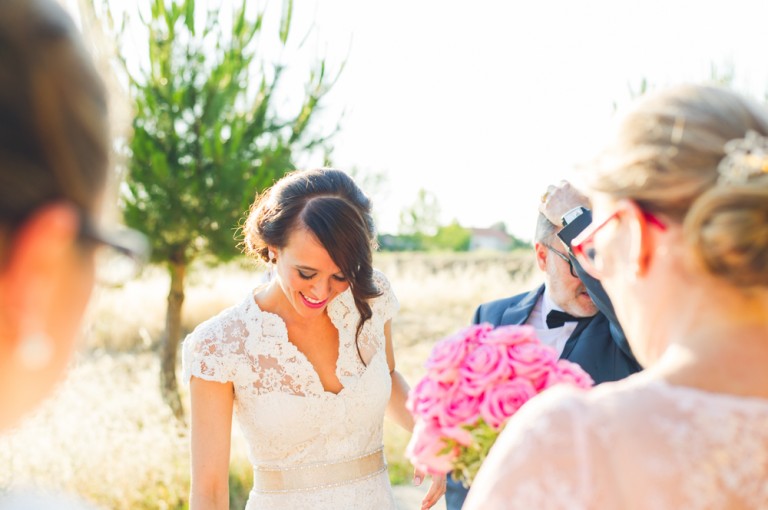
(216, 348)
(381, 281)
(228, 325)
(386, 303)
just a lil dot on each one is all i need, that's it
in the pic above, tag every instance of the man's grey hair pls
(546, 231)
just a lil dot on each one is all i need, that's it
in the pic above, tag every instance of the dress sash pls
(318, 476)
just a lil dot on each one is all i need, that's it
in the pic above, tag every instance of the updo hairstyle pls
(698, 155)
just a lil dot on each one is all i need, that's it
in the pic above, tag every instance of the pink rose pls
(425, 450)
(534, 361)
(476, 333)
(569, 373)
(461, 409)
(503, 400)
(478, 373)
(511, 335)
(459, 434)
(446, 356)
(483, 367)
(428, 398)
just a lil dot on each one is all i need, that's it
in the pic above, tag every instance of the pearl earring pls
(272, 257)
(35, 350)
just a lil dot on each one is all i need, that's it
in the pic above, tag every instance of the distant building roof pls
(491, 233)
(489, 239)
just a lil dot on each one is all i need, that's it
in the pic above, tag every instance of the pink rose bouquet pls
(476, 380)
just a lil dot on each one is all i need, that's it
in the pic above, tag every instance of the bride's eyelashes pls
(305, 276)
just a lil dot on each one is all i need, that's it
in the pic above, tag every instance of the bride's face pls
(307, 275)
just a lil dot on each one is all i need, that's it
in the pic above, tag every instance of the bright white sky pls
(485, 102)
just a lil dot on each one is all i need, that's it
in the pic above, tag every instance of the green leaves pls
(189, 15)
(471, 457)
(285, 20)
(208, 135)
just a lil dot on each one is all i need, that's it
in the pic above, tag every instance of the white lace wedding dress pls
(310, 448)
(639, 443)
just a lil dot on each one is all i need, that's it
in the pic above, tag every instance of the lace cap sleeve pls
(385, 306)
(213, 350)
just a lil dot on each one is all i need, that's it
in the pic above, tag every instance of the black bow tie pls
(556, 318)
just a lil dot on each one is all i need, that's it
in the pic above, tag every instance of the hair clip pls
(744, 158)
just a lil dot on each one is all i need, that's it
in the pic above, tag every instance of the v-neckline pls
(303, 357)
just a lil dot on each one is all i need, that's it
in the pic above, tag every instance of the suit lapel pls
(571, 342)
(519, 312)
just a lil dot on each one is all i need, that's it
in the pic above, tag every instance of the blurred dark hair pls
(54, 136)
(329, 204)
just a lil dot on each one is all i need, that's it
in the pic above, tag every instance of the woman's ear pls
(641, 241)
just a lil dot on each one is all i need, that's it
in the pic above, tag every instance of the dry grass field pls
(106, 434)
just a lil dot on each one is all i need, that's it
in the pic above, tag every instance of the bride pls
(305, 361)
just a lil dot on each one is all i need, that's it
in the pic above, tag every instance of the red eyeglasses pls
(583, 246)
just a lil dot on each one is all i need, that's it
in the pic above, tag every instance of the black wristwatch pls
(571, 215)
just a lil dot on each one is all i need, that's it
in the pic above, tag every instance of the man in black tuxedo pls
(571, 314)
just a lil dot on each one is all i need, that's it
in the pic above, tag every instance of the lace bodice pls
(639, 443)
(286, 416)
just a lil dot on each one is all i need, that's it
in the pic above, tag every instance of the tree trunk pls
(170, 346)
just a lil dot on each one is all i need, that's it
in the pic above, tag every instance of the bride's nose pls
(322, 289)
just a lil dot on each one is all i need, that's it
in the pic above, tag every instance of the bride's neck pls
(272, 299)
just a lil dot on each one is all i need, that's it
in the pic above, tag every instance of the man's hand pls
(436, 490)
(559, 199)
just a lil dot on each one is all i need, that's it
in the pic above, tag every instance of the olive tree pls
(207, 135)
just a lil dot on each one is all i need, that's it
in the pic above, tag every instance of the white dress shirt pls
(555, 337)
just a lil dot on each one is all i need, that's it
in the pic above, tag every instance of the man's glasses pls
(564, 257)
(584, 245)
(120, 255)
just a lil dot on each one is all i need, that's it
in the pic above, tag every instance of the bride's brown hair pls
(330, 205)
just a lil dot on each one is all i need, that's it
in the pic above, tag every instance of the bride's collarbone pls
(314, 342)
(321, 335)
(320, 346)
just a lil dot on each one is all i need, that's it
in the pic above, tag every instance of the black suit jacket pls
(594, 287)
(592, 344)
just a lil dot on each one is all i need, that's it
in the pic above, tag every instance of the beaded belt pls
(318, 476)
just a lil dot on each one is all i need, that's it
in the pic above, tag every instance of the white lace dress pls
(291, 423)
(639, 443)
